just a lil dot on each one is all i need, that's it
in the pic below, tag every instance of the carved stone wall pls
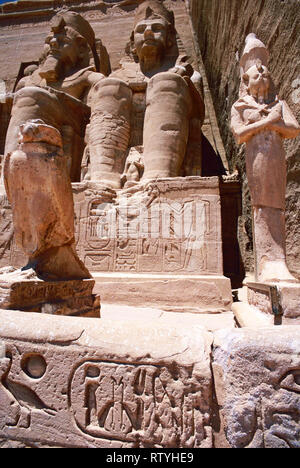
(221, 29)
(74, 382)
(144, 386)
(173, 226)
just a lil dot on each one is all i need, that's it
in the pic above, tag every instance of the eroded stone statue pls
(48, 115)
(262, 121)
(57, 91)
(48, 106)
(153, 100)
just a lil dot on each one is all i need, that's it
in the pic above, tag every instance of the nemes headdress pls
(80, 25)
(152, 8)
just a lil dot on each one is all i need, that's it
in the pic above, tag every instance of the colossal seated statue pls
(56, 92)
(48, 107)
(154, 100)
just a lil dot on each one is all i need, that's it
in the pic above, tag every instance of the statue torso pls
(75, 85)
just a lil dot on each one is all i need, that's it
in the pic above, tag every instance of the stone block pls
(84, 382)
(257, 379)
(186, 293)
(23, 290)
(282, 300)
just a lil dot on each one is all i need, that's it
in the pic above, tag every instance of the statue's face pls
(150, 37)
(258, 80)
(62, 46)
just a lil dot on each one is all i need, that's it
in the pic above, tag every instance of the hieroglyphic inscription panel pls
(164, 227)
(76, 383)
(132, 404)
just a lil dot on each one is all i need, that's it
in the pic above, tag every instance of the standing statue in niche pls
(262, 121)
(154, 100)
(49, 112)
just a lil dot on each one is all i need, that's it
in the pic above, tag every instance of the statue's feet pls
(59, 264)
(274, 272)
(107, 180)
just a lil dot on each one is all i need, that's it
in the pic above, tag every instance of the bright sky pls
(6, 1)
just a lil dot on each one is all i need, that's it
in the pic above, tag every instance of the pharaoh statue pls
(153, 100)
(49, 111)
(262, 121)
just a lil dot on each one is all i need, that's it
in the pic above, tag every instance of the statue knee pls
(36, 103)
(170, 87)
(112, 96)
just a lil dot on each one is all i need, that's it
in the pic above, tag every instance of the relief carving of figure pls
(262, 121)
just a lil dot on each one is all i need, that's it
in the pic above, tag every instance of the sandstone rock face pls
(221, 31)
(76, 382)
(257, 386)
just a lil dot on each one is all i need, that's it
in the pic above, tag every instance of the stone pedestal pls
(185, 293)
(155, 244)
(24, 291)
(269, 304)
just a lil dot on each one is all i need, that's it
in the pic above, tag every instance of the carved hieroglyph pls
(60, 386)
(262, 121)
(257, 378)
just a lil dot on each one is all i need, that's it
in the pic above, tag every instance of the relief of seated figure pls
(154, 100)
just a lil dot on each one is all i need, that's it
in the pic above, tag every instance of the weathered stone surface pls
(256, 375)
(23, 290)
(77, 382)
(43, 209)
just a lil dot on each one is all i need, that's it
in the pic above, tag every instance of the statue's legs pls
(39, 189)
(266, 173)
(32, 103)
(270, 253)
(166, 127)
(109, 130)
